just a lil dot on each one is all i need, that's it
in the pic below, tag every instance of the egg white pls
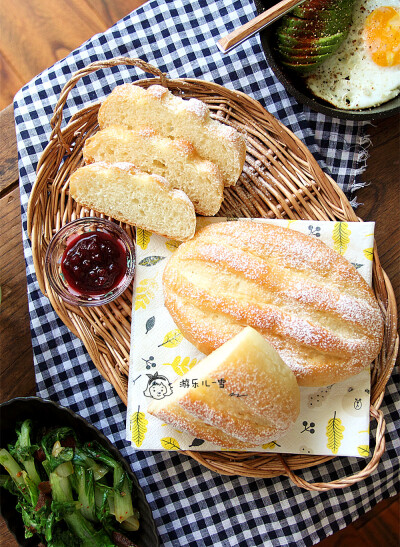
(350, 79)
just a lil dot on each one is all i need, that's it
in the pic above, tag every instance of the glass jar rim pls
(67, 230)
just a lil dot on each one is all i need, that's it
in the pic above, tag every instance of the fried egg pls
(365, 70)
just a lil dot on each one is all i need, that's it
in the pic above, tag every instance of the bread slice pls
(174, 159)
(125, 193)
(241, 393)
(135, 107)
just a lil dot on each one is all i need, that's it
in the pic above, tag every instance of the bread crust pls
(135, 107)
(308, 301)
(180, 418)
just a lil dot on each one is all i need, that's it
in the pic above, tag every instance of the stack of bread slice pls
(157, 160)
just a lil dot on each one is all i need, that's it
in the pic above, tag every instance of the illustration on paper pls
(158, 387)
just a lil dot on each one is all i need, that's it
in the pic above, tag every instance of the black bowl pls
(296, 87)
(49, 413)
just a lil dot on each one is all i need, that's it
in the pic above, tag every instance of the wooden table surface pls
(47, 30)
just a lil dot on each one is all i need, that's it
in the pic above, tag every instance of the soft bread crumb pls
(127, 194)
(174, 159)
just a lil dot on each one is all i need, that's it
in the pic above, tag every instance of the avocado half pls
(312, 32)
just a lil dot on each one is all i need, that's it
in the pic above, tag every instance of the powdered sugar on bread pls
(308, 301)
(134, 107)
(258, 402)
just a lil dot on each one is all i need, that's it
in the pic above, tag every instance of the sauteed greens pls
(69, 494)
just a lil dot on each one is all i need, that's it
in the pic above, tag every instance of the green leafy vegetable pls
(84, 486)
(81, 458)
(66, 508)
(52, 447)
(122, 483)
(16, 473)
(79, 496)
(23, 451)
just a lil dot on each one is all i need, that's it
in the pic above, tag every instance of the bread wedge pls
(125, 193)
(241, 393)
(135, 107)
(174, 159)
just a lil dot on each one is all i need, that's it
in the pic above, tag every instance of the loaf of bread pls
(241, 395)
(308, 301)
(135, 107)
(174, 159)
(125, 193)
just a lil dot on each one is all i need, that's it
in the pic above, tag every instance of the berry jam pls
(94, 263)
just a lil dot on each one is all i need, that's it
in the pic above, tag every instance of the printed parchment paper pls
(333, 420)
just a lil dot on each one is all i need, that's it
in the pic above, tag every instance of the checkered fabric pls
(192, 505)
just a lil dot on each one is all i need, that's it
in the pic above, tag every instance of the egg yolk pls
(382, 36)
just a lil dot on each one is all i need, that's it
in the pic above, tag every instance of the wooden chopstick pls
(239, 35)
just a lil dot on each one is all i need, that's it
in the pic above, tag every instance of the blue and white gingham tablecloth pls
(193, 506)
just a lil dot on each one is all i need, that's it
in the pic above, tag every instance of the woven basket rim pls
(322, 196)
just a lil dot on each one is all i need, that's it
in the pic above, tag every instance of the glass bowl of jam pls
(90, 261)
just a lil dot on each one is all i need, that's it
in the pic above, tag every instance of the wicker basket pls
(280, 179)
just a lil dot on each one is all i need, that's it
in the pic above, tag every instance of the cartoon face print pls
(357, 403)
(158, 387)
(355, 400)
(157, 390)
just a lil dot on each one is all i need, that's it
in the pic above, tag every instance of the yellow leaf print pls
(142, 238)
(181, 367)
(341, 237)
(290, 222)
(145, 291)
(172, 245)
(138, 424)
(270, 445)
(169, 425)
(334, 432)
(363, 450)
(369, 253)
(172, 339)
(169, 443)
